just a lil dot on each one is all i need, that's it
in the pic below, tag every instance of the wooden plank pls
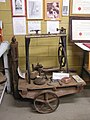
(23, 85)
(44, 35)
(59, 92)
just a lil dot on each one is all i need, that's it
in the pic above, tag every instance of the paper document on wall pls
(19, 25)
(34, 25)
(52, 26)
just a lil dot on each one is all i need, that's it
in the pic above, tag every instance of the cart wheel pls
(46, 102)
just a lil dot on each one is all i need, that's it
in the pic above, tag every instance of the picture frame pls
(53, 9)
(19, 25)
(79, 7)
(79, 29)
(65, 8)
(18, 8)
(34, 9)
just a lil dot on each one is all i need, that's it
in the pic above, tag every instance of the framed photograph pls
(34, 9)
(18, 7)
(80, 7)
(79, 29)
(53, 9)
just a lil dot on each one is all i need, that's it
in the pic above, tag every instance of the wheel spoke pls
(41, 100)
(50, 106)
(52, 100)
(46, 96)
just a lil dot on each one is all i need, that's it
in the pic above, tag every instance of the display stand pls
(85, 49)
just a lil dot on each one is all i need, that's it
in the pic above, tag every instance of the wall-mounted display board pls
(80, 7)
(53, 9)
(79, 29)
(18, 7)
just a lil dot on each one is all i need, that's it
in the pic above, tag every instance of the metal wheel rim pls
(44, 104)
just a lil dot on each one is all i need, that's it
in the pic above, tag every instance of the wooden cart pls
(46, 95)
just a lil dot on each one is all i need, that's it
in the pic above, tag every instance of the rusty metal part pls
(34, 75)
(36, 31)
(46, 102)
(60, 83)
(37, 66)
(39, 81)
(62, 30)
(50, 69)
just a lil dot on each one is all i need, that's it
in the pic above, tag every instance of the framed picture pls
(79, 29)
(19, 25)
(18, 7)
(34, 9)
(65, 8)
(80, 7)
(53, 9)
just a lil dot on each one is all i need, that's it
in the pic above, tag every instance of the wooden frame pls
(53, 9)
(18, 7)
(80, 7)
(79, 29)
(34, 9)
